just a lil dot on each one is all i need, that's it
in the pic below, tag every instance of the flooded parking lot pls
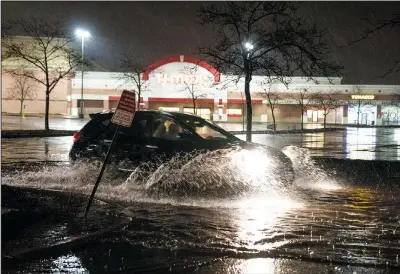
(324, 222)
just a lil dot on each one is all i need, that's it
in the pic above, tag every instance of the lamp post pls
(82, 34)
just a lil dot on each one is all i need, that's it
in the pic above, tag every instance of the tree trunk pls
(273, 118)
(249, 109)
(358, 113)
(194, 106)
(302, 119)
(325, 120)
(138, 104)
(20, 110)
(46, 114)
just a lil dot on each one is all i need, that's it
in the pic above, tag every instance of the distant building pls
(170, 82)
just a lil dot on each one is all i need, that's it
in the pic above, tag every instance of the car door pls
(130, 144)
(169, 137)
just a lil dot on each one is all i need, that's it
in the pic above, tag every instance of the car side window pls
(167, 128)
(142, 124)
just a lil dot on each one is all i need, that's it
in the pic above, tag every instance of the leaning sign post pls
(123, 116)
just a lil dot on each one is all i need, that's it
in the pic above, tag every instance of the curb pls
(35, 133)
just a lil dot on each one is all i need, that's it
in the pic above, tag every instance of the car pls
(156, 136)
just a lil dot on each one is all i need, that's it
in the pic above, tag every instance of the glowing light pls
(362, 97)
(252, 163)
(259, 265)
(248, 46)
(82, 33)
(259, 216)
(327, 186)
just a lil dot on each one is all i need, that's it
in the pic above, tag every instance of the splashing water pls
(308, 175)
(221, 173)
(228, 174)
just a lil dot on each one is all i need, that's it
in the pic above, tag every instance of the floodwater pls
(352, 143)
(325, 222)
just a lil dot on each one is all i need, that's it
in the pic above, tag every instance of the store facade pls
(171, 83)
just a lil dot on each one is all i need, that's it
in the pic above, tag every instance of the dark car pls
(156, 136)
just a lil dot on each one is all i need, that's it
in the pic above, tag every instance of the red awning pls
(240, 101)
(179, 100)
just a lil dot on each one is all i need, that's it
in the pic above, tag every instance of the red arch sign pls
(181, 59)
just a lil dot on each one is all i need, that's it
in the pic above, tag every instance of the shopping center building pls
(169, 83)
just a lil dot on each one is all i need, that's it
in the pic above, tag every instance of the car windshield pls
(204, 128)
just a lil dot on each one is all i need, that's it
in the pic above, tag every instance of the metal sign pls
(125, 110)
(362, 97)
(123, 116)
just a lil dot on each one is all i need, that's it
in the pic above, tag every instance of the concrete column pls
(69, 95)
(74, 108)
(106, 104)
(145, 102)
(220, 109)
(378, 115)
(345, 116)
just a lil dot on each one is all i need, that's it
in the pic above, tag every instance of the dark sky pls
(155, 30)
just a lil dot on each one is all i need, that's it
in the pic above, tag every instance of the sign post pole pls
(101, 173)
(123, 116)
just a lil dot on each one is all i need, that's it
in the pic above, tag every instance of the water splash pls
(308, 174)
(221, 173)
(216, 176)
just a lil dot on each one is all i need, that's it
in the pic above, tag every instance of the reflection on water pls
(316, 220)
(68, 264)
(352, 143)
(258, 219)
(317, 225)
(35, 149)
(360, 143)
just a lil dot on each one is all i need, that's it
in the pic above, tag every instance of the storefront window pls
(234, 112)
(204, 113)
(390, 115)
(172, 109)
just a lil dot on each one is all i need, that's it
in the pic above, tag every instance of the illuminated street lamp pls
(82, 34)
(248, 46)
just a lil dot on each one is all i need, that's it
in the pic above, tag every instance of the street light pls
(82, 34)
(248, 46)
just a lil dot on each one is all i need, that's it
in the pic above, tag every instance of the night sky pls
(156, 30)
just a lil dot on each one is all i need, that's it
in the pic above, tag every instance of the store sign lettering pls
(163, 78)
(362, 97)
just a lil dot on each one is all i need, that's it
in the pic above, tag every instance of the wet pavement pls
(320, 224)
(37, 123)
(352, 143)
(17, 123)
(340, 217)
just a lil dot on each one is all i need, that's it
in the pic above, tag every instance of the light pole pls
(82, 34)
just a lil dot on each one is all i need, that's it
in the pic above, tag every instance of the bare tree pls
(303, 98)
(132, 75)
(22, 89)
(327, 102)
(265, 38)
(272, 98)
(375, 27)
(44, 55)
(358, 100)
(194, 85)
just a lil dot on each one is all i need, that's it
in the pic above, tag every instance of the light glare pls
(82, 33)
(248, 46)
